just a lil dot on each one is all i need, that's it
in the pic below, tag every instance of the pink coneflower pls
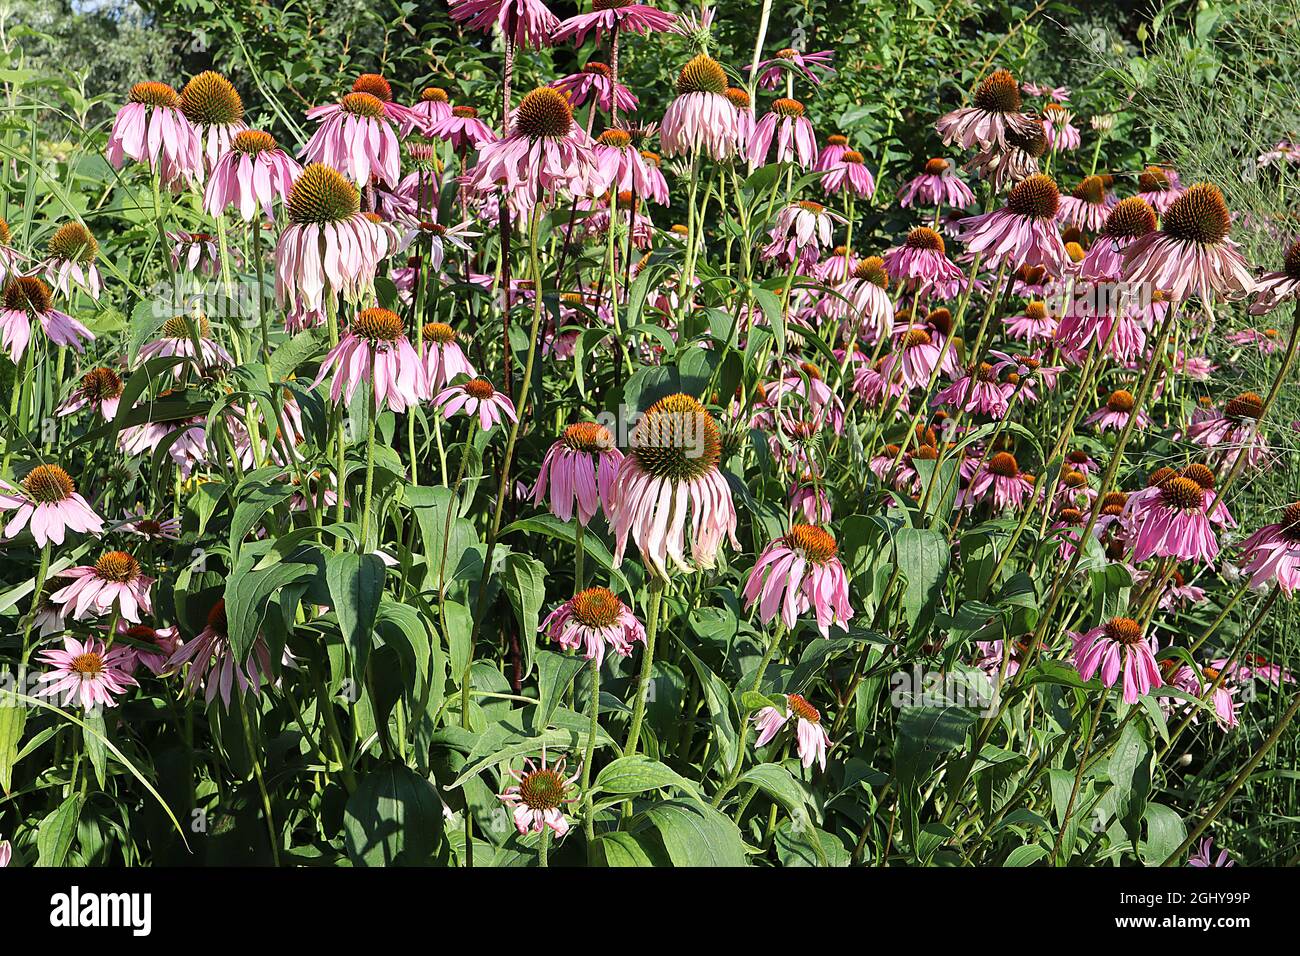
(994, 114)
(1129, 219)
(1273, 552)
(356, 137)
(744, 105)
(406, 118)
(152, 529)
(807, 65)
(525, 22)
(593, 620)
(1191, 255)
(1060, 94)
(1118, 648)
(6, 853)
(436, 237)
(671, 468)
(657, 186)
(114, 580)
(253, 173)
(434, 105)
(623, 168)
(197, 252)
(1033, 324)
(915, 356)
(148, 647)
(937, 185)
(1080, 327)
(984, 396)
(1067, 527)
(375, 350)
(1198, 683)
(701, 118)
(1204, 856)
(545, 152)
(539, 796)
(1159, 186)
(921, 263)
(1023, 232)
(1117, 411)
(811, 736)
(328, 248)
(1234, 430)
(177, 338)
(476, 397)
(1088, 206)
(70, 260)
(1169, 521)
(27, 298)
(48, 501)
(213, 665)
(1004, 166)
(100, 390)
(463, 129)
(443, 357)
(1264, 340)
(186, 440)
(1274, 288)
(579, 469)
(89, 673)
(1001, 480)
(848, 172)
(1058, 126)
(10, 258)
(786, 123)
(869, 308)
(808, 501)
(799, 572)
(151, 129)
(878, 385)
(802, 230)
(216, 112)
(598, 79)
(610, 16)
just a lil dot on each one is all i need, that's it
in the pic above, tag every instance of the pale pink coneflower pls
(151, 129)
(1234, 430)
(810, 736)
(1127, 220)
(70, 260)
(212, 663)
(444, 359)
(434, 105)
(614, 16)
(785, 123)
(1021, 233)
(216, 112)
(199, 252)
(545, 152)
(594, 620)
(27, 298)
(178, 337)
(406, 118)
(151, 529)
(1272, 554)
(1034, 323)
(744, 105)
(622, 168)
(869, 309)
(808, 501)
(1088, 207)
(847, 173)
(797, 573)
(1271, 290)
(597, 79)
(1058, 125)
(10, 258)
(46, 500)
(89, 673)
(478, 398)
(701, 118)
(994, 113)
(1191, 255)
(148, 647)
(375, 350)
(1159, 186)
(1117, 411)
(670, 470)
(6, 853)
(527, 23)
(1060, 94)
(984, 396)
(1169, 521)
(1204, 856)
(1001, 481)
(921, 263)
(538, 797)
(463, 129)
(100, 390)
(1004, 166)
(252, 174)
(801, 231)
(579, 470)
(187, 450)
(1264, 340)
(328, 247)
(1119, 651)
(113, 583)
(356, 137)
(937, 185)
(788, 60)
(915, 356)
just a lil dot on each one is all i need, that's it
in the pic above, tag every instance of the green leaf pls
(554, 674)
(12, 721)
(638, 773)
(394, 818)
(525, 586)
(1165, 834)
(1130, 772)
(247, 593)
(619, 848)
(923, 557)
(54, 836)
(356, 585)
(693, 835)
